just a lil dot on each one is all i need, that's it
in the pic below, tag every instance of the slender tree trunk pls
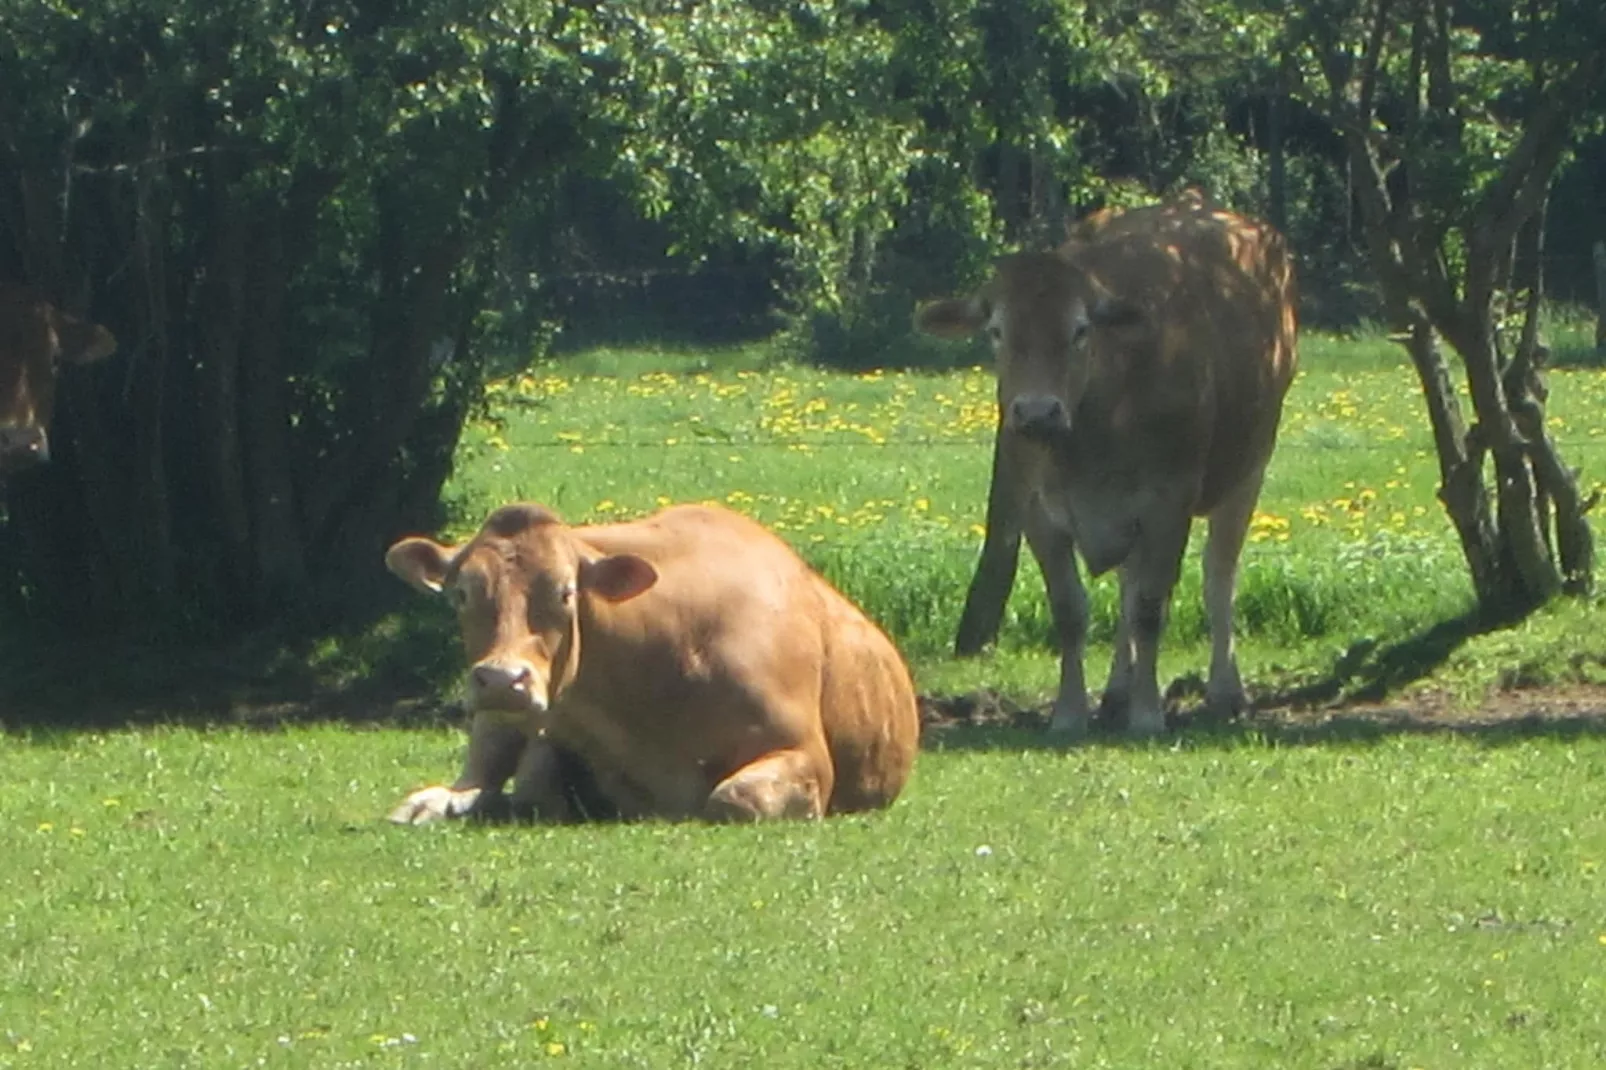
(1600, 295)
(278, 541)
(219, 320)
(1277, 163)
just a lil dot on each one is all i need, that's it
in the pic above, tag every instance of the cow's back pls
(1219, 351)
(739, 618)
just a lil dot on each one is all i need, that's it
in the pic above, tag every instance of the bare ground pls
(1572, 708)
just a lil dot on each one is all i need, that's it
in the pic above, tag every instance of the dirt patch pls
(1580, 707)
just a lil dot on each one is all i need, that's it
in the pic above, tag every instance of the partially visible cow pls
(1141, 375)
(35, 338)
(691, 661)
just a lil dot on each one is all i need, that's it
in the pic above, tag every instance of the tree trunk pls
(219, 320)
(1461, 485)
(1600, 296)
(278, 551)
(1277, 163)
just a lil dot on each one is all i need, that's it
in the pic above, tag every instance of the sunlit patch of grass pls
(880, 479)
(223, 897)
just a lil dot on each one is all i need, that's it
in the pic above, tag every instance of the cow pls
(35, 338)
(691, 661)
(1141, 373)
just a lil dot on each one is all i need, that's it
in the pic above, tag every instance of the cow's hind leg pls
(1229, 524)
(1067, 600)
(782, 783)
(1117, 697)
(1000, 553)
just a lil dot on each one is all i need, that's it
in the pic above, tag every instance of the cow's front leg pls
(1153, 576)
(795, 782)
(495, 748)
(1067, 600)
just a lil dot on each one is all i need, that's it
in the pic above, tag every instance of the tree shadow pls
(395, 671)
(1348, 704)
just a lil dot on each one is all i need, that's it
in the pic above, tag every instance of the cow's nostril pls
(514, 678)
(1038, 413)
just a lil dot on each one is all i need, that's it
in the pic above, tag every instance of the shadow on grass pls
(399, 670)
(394, 671)
(1349, 704)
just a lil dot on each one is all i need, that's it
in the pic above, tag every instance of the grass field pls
(880, 479)
(213, 899)
(1372, 897)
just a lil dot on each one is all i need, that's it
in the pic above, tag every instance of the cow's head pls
(518, 587)
(35, 339)
(1043, 315)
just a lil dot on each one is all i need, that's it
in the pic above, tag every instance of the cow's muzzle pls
(507, 684)
(23, 447)
(1038, 416)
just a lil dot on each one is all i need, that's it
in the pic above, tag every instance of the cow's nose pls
(505, 683)
(20, 446)
(1038, 414)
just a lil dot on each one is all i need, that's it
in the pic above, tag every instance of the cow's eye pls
(995, 332)
(457, 596)
(566, 594)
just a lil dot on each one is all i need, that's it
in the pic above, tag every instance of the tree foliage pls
(302, 218)
(1455, 117)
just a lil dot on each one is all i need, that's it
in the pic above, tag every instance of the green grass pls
(880, 480)
(182, 898)
(1352, 897)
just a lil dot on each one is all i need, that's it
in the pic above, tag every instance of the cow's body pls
(693, 662)
(36, 337)
(1142, 369)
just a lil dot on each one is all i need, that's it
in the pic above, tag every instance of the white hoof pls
(435, 804)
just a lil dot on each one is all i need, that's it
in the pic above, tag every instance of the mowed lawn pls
(181, 898)
(1231, 897)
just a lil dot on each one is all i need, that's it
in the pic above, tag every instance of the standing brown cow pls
(1141, 375)
(691, 660)
(35, 337)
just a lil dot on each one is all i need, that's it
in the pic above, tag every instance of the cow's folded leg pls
(494, 750)
(538, 785)
(783, 783)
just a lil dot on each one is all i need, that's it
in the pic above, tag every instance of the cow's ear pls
(617, 578)
(78, 342)
(952, 317)
(1115, 312)
(421, 562)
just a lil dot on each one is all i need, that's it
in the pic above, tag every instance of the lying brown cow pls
(691, 660)
(1141, 374)
(34, 338)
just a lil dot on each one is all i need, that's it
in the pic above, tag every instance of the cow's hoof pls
(1114, 705)
(1226, 706)
(434, 804)
(1145, 724)
(1069, 724)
